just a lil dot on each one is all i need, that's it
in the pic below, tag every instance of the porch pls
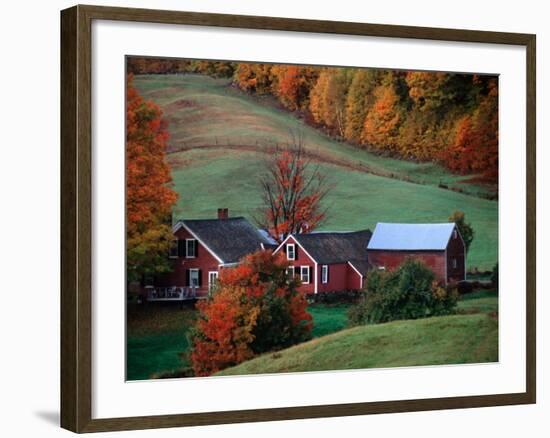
(175, 293)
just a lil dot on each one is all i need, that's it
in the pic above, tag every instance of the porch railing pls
(175, 293)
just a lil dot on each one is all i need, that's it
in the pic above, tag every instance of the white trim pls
(361, 276)
(289, 245)
(187, 256)
(209, 283)
(197, 270)
(181, 224)
(316, 274)
(298, 243)
(324, 279)
(293, 268)
(308, 274)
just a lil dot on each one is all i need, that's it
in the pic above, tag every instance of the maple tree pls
(149, 196)
(328, 99)
(358, 102)
(381, 127)
(255, 308)
(475, 149)
(292, 192)
(451, 118)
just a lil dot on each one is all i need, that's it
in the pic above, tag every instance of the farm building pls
(439, 246)
(203, 247)
(328, 261)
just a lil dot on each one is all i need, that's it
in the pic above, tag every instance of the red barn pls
(328, 261)
(203, 247)
(439, 246)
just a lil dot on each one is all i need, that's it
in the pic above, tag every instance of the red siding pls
(391, 260)
(340, 275)
(441, 262)
(337, 278)
(456, 251)
(204, 261)
(302, 259)
(354, 279)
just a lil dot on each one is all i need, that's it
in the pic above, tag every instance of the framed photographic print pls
(268, 218)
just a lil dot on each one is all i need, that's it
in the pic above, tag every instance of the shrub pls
(256, 308)
(337, 297)
(410, 292)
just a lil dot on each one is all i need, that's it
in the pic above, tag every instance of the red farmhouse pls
(203, 247)
(328, 261)
(439, 246)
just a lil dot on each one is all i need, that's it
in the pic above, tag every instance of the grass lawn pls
(222, 135)
(453, 339)
(157, 333)
(156, 338)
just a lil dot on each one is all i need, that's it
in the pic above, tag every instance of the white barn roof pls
(411, 236)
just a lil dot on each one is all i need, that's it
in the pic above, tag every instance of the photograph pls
(292, 218)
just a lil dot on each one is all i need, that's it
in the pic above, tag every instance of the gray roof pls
(363, 266)
(230, 239)
(335, 247)
(411, 236)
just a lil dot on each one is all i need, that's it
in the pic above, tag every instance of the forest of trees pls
(424, 116)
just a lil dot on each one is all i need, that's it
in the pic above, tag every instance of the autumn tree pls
(358, 102)
(327, 101)
(256, 308)
(293, 190)
(149, 196)
(465, 229)
(292, 84)
(381, 127)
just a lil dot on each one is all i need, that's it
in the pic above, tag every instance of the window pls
(291, 251)
(291, 272)
(174, 251)
(455, 263)
(455, 234)
(324, 274)
(190, 248)
(212, 279)
(194, 278)
(304, 274)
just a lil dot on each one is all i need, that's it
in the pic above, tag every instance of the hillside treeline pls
(425, 116)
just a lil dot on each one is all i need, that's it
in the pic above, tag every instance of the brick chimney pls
(223, 213)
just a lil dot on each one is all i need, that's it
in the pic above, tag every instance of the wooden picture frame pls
(76, 218)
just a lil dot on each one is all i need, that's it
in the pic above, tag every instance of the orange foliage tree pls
(475, 149)
(292, 85)
(149, 196)
(255, 308)
(381, 128)
(292, 193)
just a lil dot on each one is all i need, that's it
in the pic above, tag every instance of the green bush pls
(410, 292)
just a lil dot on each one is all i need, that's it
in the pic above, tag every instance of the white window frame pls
(305, 269)
(192, 256)
(211, 283)
(455, 263)
(291, 271)
(455, 234)
(197, 270)
(324, 274)
(288, 245)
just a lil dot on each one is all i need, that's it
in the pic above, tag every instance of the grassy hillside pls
(453, 339)
(220, 136)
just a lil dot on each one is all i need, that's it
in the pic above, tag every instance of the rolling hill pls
(220, 137)
(456, 339)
